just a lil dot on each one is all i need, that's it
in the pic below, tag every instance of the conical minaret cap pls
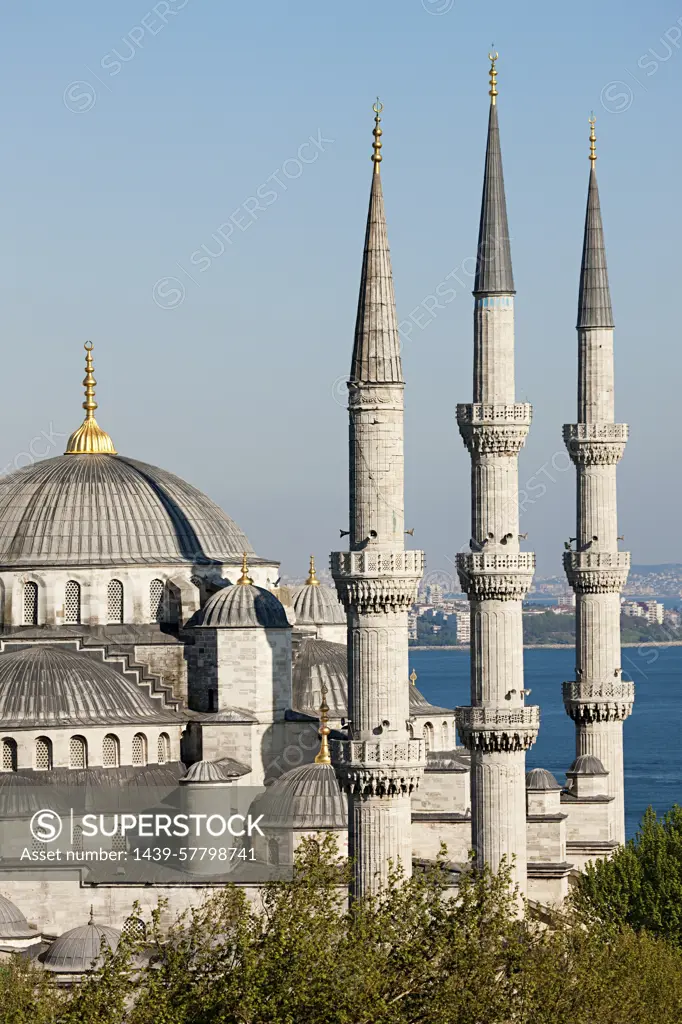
(376, 352)
(594, 300)
(494, 274)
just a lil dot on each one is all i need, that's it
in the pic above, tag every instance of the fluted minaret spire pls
(376, 352)
(494, 274)
(599, 699)
(378, 765)
(497, 727)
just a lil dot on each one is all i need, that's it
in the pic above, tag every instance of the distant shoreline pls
(546, 647)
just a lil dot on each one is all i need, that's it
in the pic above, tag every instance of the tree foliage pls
(641, 885)
(413, 954)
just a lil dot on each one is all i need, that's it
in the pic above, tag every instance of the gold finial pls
(593, 139)
(244, 580)
(92, 915)
(413, 677)
(493, 58)
(377, 133)
(312, 580)
(89, 439)
(324, 757)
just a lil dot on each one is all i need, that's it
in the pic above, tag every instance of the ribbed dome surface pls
(206, 771)
(587, 764)
(308, 797)
(243, 605)
(13, 924)
(320, 662)
(48, 685)
(79, 950)
(317, 605)
(92, 510)
(539, 779)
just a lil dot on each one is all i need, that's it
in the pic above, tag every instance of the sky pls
(133, 133)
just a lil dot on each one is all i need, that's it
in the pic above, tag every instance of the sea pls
(652, 735)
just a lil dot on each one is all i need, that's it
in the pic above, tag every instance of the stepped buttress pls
(598, 699)
(379, 764)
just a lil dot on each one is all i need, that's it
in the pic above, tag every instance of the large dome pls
(98, 510)
(50, 685)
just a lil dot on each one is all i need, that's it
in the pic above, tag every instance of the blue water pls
(652, 734)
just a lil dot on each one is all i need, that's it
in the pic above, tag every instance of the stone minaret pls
(498, 728)
(379, 765)
(598, 700)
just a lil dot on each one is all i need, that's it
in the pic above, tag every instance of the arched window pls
(115, 601)
(156, 601)
(139, 748)
(43, 754)
(135, 927)
(72, 602)
(77, 844)
(111, 755)
(78, 752)
(428, 736)
(118, 842)
(444, 736)
(9, 755)
(30, 603)
(273, 851)
(164, 748)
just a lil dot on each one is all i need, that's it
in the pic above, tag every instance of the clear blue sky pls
(130, 135)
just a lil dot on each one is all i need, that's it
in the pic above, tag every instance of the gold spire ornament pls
(324, 757)
(493, 58)
(413, 677)
(312, 580)
(377, 133)
(593, 140)
(89, 439)
(245, 580)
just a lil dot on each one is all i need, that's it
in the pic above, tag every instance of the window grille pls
(273, 851)
(135, 927)
(139, 748)
(30, 604)
(9, 755)
(77, 844)
(156, 600)
(110, 752)
(118, 842)
(115, 601)
(72, 602)
(164, 748)
(78, 752)
(43, 754)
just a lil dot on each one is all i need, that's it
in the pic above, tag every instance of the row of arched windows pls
(72, 602)
(429, 735)
(78, 752)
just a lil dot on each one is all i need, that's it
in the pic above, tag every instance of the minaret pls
(598, 700)
(498, 728)
(379, 765)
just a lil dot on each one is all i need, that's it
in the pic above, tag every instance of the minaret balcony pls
(498, 729)
(608, 701)
(492, 429)
(378, 767)
(376, 581)
(496, 576)
(595, 444)
(595, 572)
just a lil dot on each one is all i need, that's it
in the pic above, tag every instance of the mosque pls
(144, 642)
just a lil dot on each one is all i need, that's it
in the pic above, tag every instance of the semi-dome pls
(48, 684)
(13, 924)
(308, 797)
(587, 764)
(540, 779)
(97, 510)
(209, 772)
(242, 605)
(320, 663)
(315, 604)
(79, 950)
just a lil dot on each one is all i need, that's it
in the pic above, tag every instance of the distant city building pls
(633, 608)
(654, 611)
(434, 594)
(463, 626)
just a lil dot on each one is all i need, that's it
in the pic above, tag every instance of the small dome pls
(308, 797)
(78, 950)
(315, 604)
(540, 779)
(58, 686)
(242, 605)
(206, 771)
(13, 924)
(587, 764)
(318, 663)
